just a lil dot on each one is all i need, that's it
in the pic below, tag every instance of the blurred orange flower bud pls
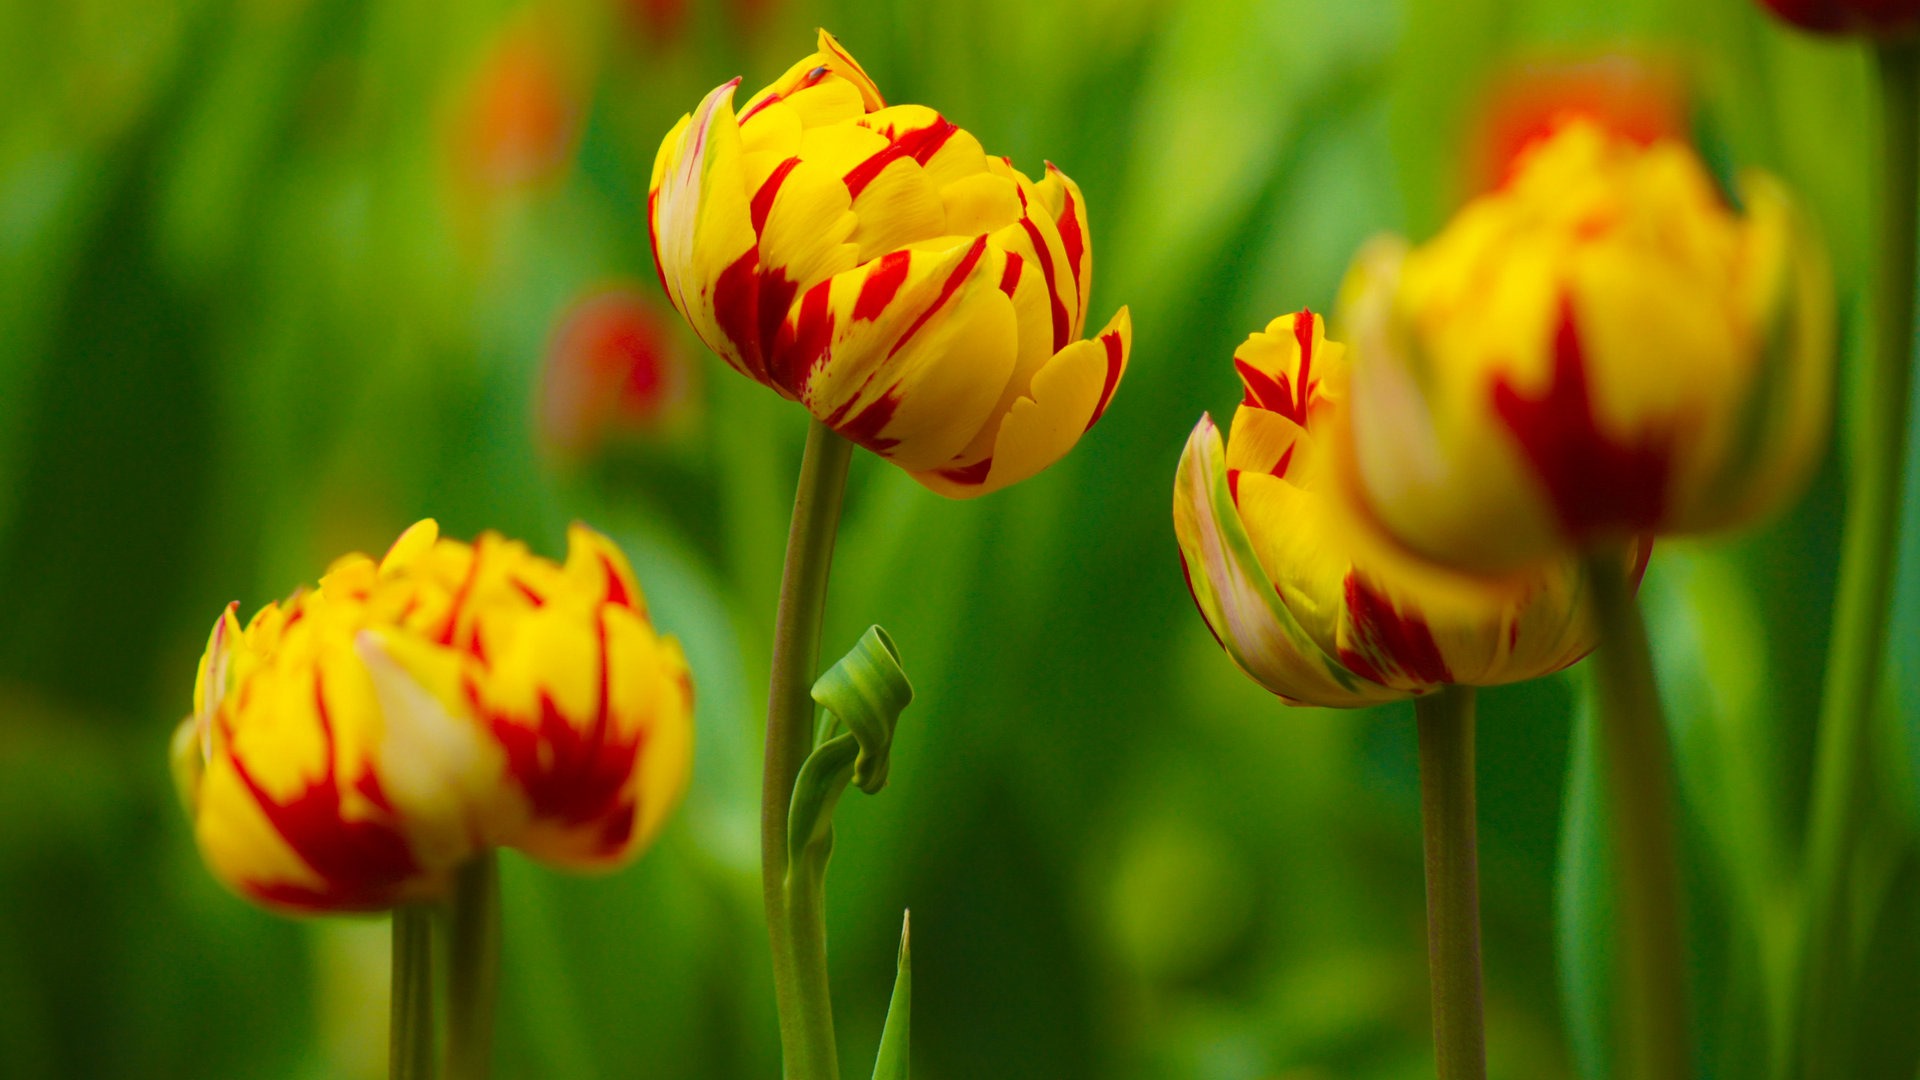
(514, 123)
(1600, 349)
(351, 746)
(613, 369)
(873, 263)
(1299, 584)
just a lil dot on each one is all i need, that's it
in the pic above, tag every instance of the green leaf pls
(891, 1062)
(863, 696)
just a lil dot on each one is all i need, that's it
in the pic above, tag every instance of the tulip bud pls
(1879, 18)
(612, 371)
(350, 746)
(873, 263)
(1600, 349)
(1298, 583)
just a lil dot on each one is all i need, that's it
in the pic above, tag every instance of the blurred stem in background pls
(1447, 813)
(410, 1022)
(473, 967)
(1877, 417)
(1637, 761)
(798, 932)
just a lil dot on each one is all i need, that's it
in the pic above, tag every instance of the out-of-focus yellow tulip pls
(919, 297)
(1601, 348)
(350, 746)
(1299, 584)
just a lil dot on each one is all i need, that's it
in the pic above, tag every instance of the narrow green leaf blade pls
(891, 1063)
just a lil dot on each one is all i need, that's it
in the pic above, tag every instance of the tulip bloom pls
(919, 297)
(351, 746)
(1599, 349)
(1298, 583)
(1881, 18)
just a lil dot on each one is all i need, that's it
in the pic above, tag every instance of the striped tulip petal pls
(875, 264)
(351, 746)
(1298, 583)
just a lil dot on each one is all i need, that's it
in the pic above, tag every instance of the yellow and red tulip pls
(1297, 582)
(920, 297)
(1600, 348)
(351, 746)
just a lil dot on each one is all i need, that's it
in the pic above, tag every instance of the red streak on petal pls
(881, 285)
(1597, 485)
(865, 427)
(1286, 458)
(1403, 641)
(362, 863)
(1061, 330)
(459, 602)
(653, 241)
(617, 592)
(804, 342)
(736, 310)
(758, 105)
(1116, 357)
(1071, 240)
(1233, 485)
(762, 204)
(1264, 391)
(922, 143)
(1303, 336)
(947, 289)
(975, 473)
(570, 776)
(1010, 277)
(776, 299)
(863, 174)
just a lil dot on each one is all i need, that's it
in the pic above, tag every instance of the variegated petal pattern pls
(1601, 348)
(352, 745)
(1297, 582)
(874, 263)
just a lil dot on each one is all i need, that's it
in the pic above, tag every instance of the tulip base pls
(1447, 812)
(1637, 761)
(410, 1011)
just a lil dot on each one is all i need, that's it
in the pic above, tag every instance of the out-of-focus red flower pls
(613, 369)
(1881, 18)
(1636, 98)
(660, 20)
(515, 121)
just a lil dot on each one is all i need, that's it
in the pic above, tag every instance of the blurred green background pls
(278, 277)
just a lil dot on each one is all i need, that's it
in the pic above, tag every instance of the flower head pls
(1298, 583)
(1599, 349)
(873, 263)
(352, 745)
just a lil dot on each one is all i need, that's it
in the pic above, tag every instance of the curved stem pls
(798, 930)
(1638, 764)
(473, 967)
(1445, 720)
(1878, 421)
(410, 1015)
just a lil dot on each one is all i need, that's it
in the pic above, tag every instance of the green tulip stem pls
(1445, 720)
(1637, 761)
(473, 967)
(1877, 421)
(410, 1011)
(798, 930)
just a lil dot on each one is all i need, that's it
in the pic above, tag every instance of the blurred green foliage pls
(279, 276)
